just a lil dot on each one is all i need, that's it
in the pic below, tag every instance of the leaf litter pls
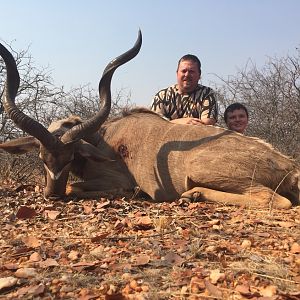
(121, 248)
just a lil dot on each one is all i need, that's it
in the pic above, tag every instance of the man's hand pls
(194, 121)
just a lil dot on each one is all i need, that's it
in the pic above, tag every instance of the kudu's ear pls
(91, 152)
(20, 145)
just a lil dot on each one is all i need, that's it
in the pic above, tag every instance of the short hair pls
(192, 58)
(234, 106)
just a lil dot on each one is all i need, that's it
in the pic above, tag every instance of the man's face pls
(188, 76)
(237, 120)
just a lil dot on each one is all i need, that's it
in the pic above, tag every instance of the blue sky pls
(76, 39)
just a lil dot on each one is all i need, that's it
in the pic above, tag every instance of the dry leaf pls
(216, 275)
(268, 291)
(195, 250)
(246, 244)
(142, 260)
(25, 212)
(73, 255)
(6, 282)
(264, 234)
(286, 224)
(173, 259)
(31, 290)
(214, 222)
(100, 206)
(162, 222)
(11, 266)
(213, 290)
(26, 272)
(197, 284)
(98, 251)
(49, 262)
(31, 241)
(99, 238)
(82, 265)
(295, 248)
(87, 208)
(51, 214)
(35, 257)
(243, 289)
(36, 289)
(143, 222)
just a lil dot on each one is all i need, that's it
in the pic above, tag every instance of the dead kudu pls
(64, 150)
(168, 161)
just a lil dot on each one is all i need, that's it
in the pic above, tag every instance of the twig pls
(112, 237)
(134, 237)
(275, 278)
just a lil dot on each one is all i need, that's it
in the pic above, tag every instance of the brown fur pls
(167, 159)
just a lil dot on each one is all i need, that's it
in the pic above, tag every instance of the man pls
(187, 102)
(236, 117)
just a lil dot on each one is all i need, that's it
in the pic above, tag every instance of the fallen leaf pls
(31, 241)
(264, 234)
(11, 266)
(82, 265)
(31, 290)
(100, 206)
(49, 262)
(213, 290)
(35, 257)
(268, 291)
(286, 224)
(141, 260)
(87, 208)
(246, 244)
(99, 238)
(216, 275)
(143, 222)
(295, 248)
(85, 264)
(173, 259)
(73, 255)
(163, 222)
(243, 289)
(51, 214)
(6, 282)
(26, 272)
(25, 212)
(214, 222)
(197, 284)
(36, 289)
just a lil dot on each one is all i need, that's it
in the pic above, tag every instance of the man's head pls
(188, 73)
(236, 117)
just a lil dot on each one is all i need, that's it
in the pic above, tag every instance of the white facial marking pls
(52, 175)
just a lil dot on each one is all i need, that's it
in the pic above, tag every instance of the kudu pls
(168, 161)
(62, 150)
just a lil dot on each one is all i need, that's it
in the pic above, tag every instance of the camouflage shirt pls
(172, 105)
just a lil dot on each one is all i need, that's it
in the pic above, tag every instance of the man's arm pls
(194, 121)
(208, 121)
(209, 114)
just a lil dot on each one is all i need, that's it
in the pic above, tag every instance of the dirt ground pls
(133, 249)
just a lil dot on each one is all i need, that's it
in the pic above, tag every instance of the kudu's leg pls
(264, 198)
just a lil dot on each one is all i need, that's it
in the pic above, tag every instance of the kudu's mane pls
(129, 112)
